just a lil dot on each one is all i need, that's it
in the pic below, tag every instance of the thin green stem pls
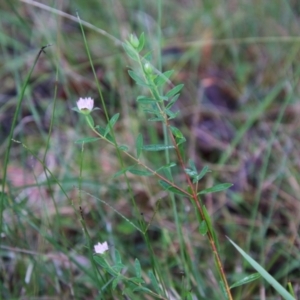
(7, 153)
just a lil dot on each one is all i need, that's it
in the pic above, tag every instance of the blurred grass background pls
(239, 111)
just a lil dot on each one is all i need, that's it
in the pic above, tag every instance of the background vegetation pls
(239, 111)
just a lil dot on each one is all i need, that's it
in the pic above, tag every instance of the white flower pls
(101, 248)
(85, 104)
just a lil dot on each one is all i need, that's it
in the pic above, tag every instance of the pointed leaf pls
(216, 188)
(272, 281)
(76, 109)
(141, 42)
(131, 52)
(119, 173)
(118, 268)
(176, 132)
(147, 57)
(142, 289)
(145, 100)
(171, 114)
(116, 281)
(111, 123)
(201, 174)
(123, 148)
(207, 219)
(140, 172)
(138, 269)
(87, 140)
(168, 166)
(173, 101)
(166, 186)
(154, 282)
(179, 141)
(118, 257)
(190, 172)
(174, 90)
(246, 280)
(192, 165)
(157, 147)
(158, 119)
(203, 227)
(101, 130)
(154, 110)
(137, 280)
(102, 262)
(139, 80)
(163, 78)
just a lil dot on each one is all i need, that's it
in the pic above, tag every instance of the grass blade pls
(270, 279)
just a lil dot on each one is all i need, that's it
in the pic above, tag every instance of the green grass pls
(60, 198)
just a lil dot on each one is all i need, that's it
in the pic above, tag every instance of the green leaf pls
(76, 109)
(158, 119)
(101, 262)
(216, 188)
(174, 90)
(246, 280)
(171, 114)
(168, 166)
(180, 141)
(166, 186)
(111, 123)
(147, 56)
(163, 78)
(207, 219)
(87, 140)
(203, 227)
(101, 130)
(139, 80)
(173, 101)
(116, 282)
(176, 132)
(141, 42)
(157, 147)
(123, 148)
(201, 174)
(189, 296)
(119, 173)
(139, 145)
(145, 100)
(131, 52)
(270, 279)
(140, 172)
(154, 282)
(154, 110)
(192, 165)
(118, 268)
(142, 289)
(190, 172)
(137, 280)
(138, 269)
(118, 257)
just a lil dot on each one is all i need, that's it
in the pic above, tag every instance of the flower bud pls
(148, 68)
(134, 41)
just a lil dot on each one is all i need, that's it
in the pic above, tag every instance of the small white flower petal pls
(85, 104)
(101, 248)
